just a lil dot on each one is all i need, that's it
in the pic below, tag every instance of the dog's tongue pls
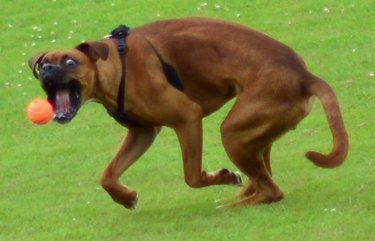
(62, 103)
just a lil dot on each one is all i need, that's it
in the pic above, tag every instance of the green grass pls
(49, 186)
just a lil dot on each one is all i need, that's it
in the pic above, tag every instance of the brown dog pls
(179, 71)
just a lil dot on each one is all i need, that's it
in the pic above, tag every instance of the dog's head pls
(68, 77)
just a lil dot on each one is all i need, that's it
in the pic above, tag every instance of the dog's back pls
(225, 43)
(218, 59)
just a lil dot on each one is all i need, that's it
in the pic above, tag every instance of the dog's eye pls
(70, 62)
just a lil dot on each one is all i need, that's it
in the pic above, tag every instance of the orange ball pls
(39, 111)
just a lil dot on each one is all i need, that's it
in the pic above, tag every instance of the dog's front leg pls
(134, 145)
(190, 136)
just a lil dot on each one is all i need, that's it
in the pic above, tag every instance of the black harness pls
(120, 34)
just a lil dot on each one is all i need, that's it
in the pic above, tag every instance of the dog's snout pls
(49, 68)
(51, 72)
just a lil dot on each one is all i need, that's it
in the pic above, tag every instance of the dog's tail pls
(331, 107)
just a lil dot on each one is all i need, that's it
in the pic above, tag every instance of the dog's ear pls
(34, 62)
(94, 50)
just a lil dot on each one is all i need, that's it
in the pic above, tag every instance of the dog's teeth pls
(62, 102)
(59, 114)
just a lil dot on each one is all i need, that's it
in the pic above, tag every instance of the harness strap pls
(168, 70)
(120, 34)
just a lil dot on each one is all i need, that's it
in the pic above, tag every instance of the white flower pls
(326, 10)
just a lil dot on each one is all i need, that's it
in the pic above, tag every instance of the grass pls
(49, 174)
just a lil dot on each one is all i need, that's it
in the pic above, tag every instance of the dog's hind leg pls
(249, 188)
(267, 158)
(247, 134)
(134, 145)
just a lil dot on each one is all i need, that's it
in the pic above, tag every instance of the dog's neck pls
(110, 74)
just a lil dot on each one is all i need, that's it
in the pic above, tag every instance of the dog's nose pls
(49, 68)
(51, 72)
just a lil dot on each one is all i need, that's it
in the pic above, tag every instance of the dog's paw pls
(238, 179)
(131, 202)
(233, 178)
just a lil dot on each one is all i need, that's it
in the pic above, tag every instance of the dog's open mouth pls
(65, 99)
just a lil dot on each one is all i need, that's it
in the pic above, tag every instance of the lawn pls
(49, 187)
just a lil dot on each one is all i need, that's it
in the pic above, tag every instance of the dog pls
(174, 73)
